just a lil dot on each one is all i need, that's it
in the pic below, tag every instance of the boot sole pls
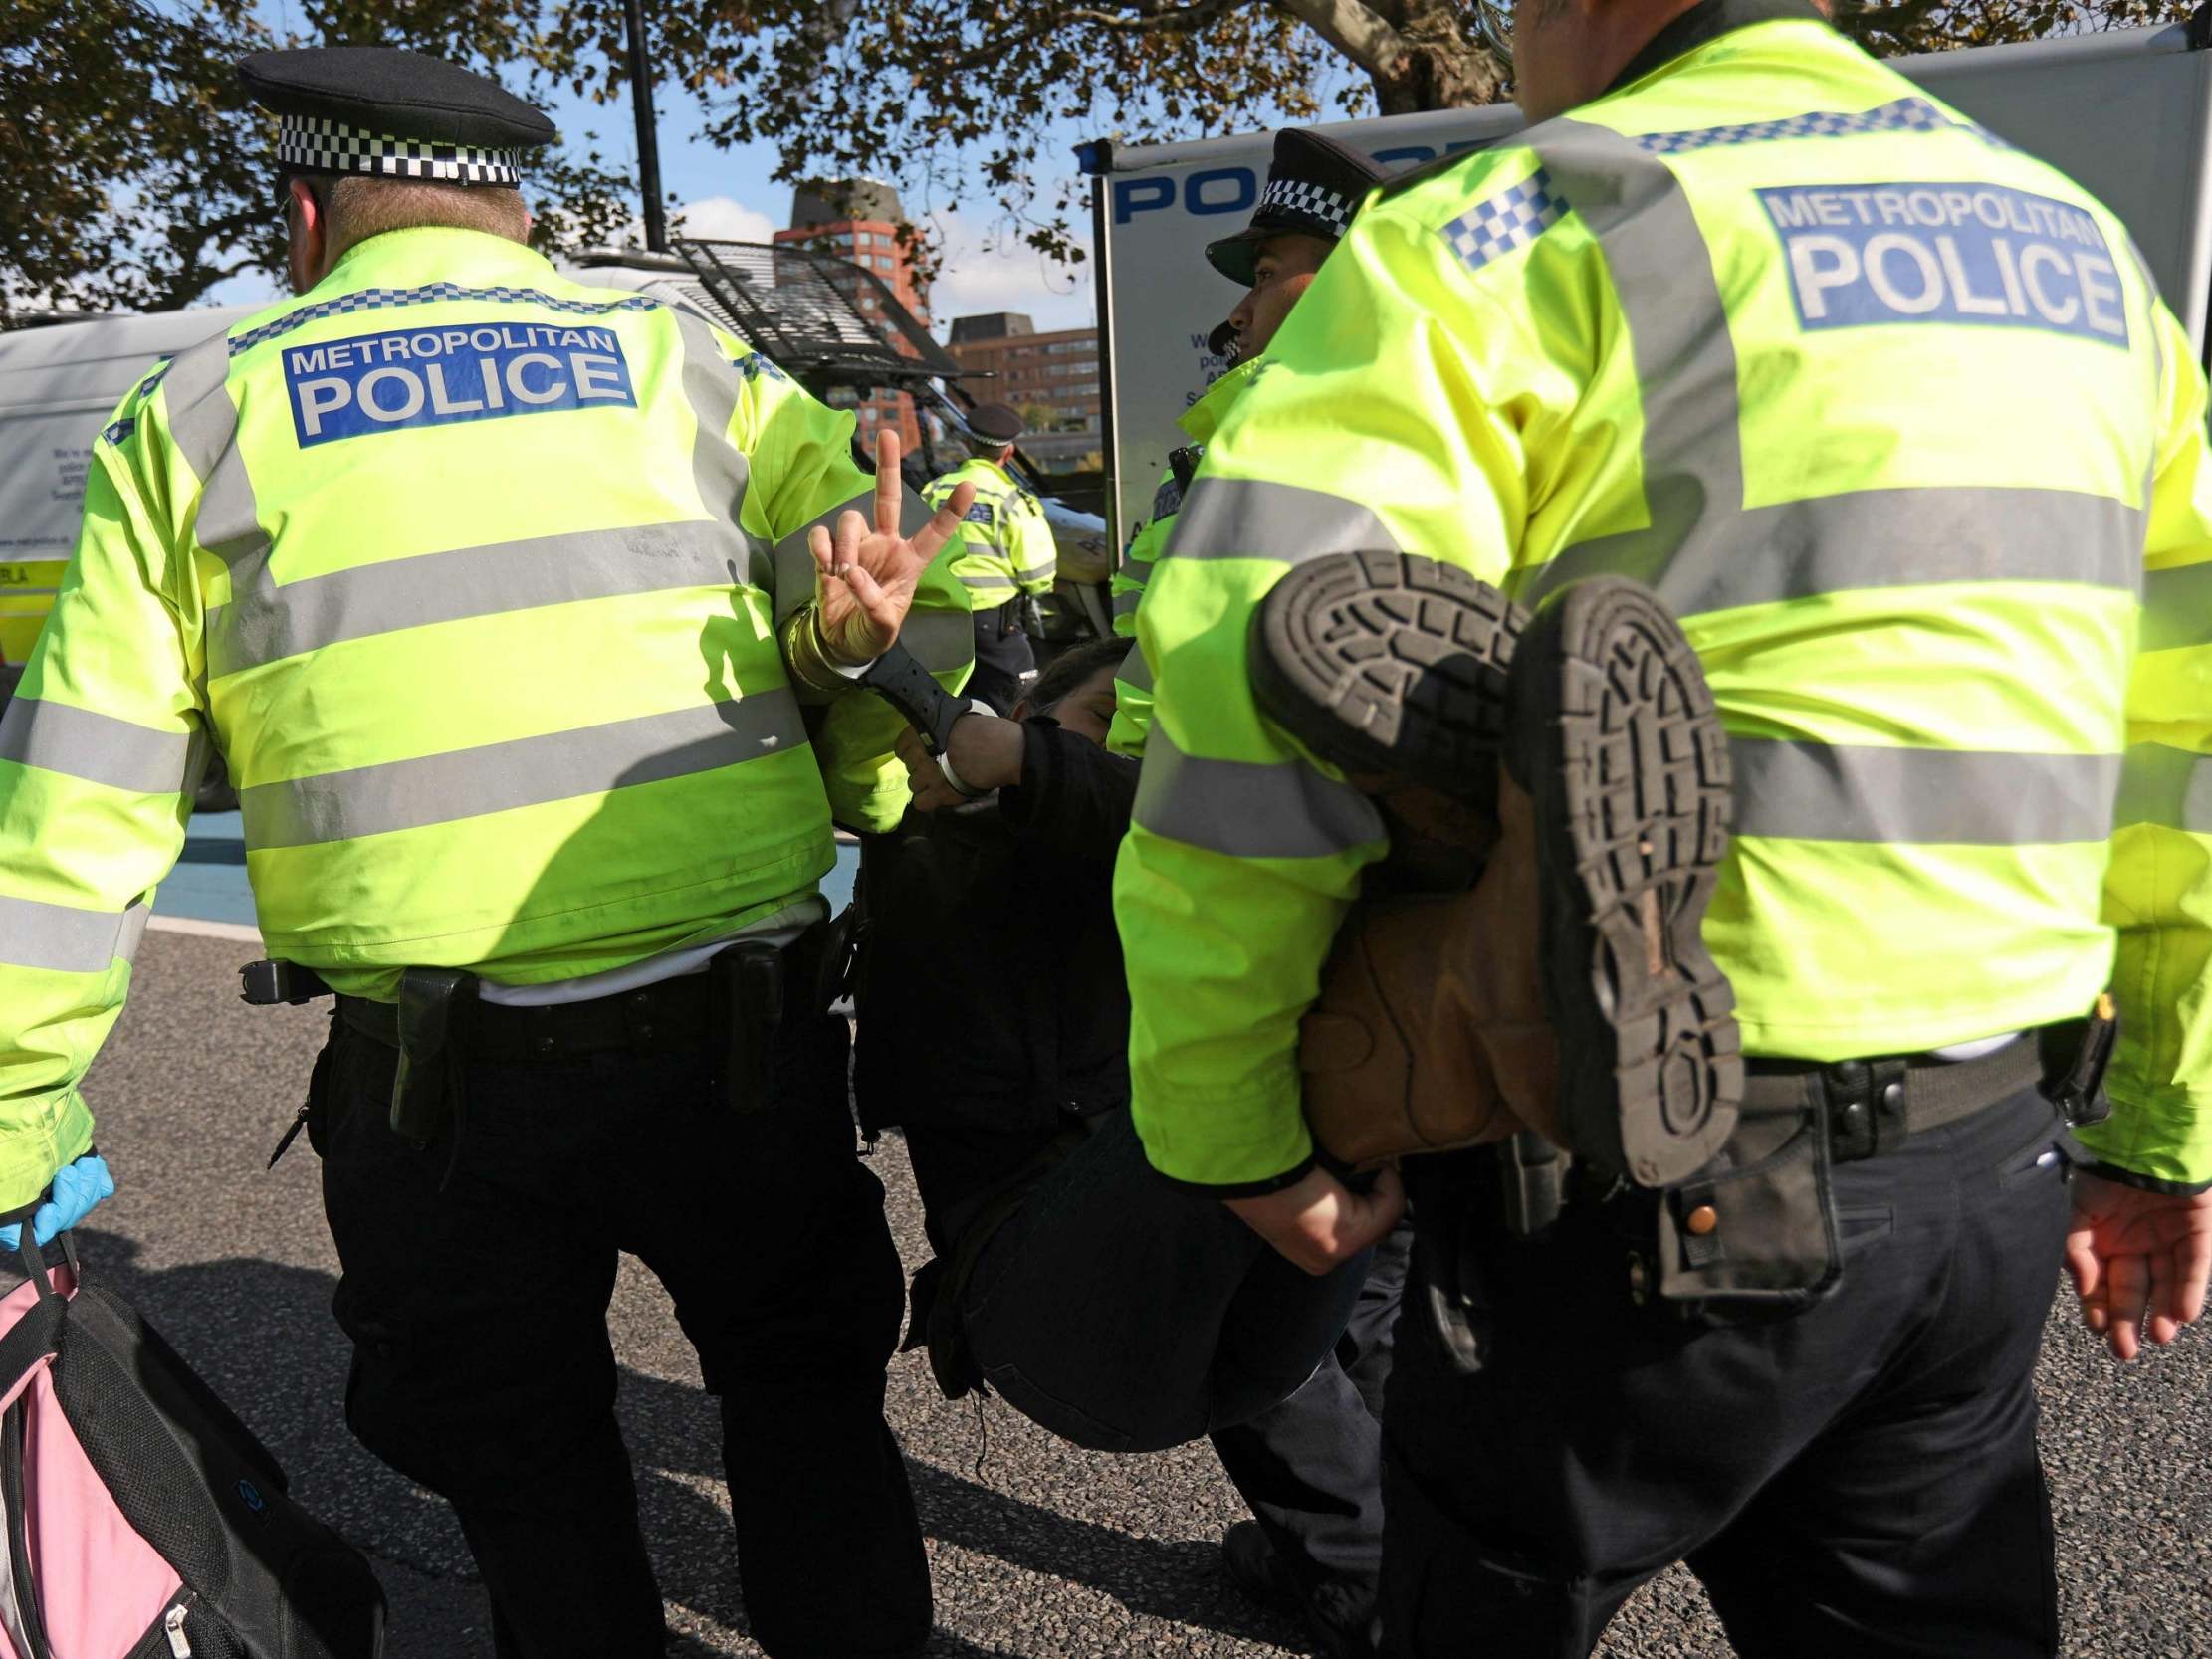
(1617, 743)
(1389, 663)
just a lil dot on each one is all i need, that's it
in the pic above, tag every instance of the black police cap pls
(388, 113)
(1315, 186)
(996, 422)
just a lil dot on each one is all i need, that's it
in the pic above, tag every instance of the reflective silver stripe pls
(203, 419)
(1248, 808)
(306, 615)
(1039, 572)
(1704, 551)
(719, 468)
(1685, 361)
(99, 748)
(1246, 517)
(794, 561)
(988, 584)
(2177, 607)
(2169, 787)
(526, 771)
(64, 939)
(941, 641)
(1126, 603)
(1927, 797)
(1135, 669)
(1872, 538)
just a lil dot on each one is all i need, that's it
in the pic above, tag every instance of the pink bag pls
(143, 1518)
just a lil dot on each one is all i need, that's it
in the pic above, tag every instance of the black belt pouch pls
(1745, 1244)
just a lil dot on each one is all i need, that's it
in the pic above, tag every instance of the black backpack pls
(138, 1508)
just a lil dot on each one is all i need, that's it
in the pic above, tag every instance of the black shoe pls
(1615, 740)
(1254, 1567)
(1389, 662)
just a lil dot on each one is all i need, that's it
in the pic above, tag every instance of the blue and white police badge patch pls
(1962, 253)
(437, 376)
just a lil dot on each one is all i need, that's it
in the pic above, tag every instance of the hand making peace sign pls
(866, 578)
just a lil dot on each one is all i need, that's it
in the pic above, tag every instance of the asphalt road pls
(1038, 1550)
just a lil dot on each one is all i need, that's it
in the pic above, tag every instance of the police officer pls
(1006, 555)
(1315, 186)
(1631, 343)
(1311, 1467)
(511, 603)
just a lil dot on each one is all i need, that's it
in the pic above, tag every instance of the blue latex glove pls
(77, 1189)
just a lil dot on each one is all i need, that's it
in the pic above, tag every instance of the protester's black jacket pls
(992, 1003)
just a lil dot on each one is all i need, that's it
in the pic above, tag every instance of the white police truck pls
(58, 382)
(2127, 114)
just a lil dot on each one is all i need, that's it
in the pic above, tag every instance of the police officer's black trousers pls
(1311, 1467)
(1857, 1481)
(482, 1368)
(1005, 662)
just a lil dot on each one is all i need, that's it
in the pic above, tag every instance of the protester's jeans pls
(1311, 1467)
(476, 1286)
(1127, 1314)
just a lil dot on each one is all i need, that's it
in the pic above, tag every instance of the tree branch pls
(1359, 32)
(1140, 19)
(1179, 19)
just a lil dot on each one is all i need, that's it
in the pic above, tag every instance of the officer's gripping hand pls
(1318, 1222)
(2133, 1252)
(867, 575)
(78, 1188)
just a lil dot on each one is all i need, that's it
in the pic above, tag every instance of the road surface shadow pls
(262, 1334)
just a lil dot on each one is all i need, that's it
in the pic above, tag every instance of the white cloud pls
(1006, 278)
(723, 218)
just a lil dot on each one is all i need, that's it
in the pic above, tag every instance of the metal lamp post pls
(648, 134)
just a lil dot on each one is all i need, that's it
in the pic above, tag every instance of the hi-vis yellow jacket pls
(471, 572)
(1133, 684)
(1005, 541)
(1892, 415)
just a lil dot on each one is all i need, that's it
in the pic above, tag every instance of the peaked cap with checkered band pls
(392, 115)
(1315, 186)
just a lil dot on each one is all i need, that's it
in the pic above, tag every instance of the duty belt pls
(1876, 1105)
(673, 1011)
(440, 1025)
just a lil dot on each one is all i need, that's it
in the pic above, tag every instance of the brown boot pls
(1431, 1031)
(1431, 1027)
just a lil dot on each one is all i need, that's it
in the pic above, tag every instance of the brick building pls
(858, 220)
(1053, 379)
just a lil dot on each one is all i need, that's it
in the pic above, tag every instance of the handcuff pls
(899, 678)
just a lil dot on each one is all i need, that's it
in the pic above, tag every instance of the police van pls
(57, 384)
(2127, 114)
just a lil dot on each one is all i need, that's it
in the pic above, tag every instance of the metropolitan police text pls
(1862, 254)
(431, 377)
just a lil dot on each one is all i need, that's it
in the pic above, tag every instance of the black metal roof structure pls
(803, 311)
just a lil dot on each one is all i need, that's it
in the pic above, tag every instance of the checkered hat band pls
(314, 143)
(1308, 201)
